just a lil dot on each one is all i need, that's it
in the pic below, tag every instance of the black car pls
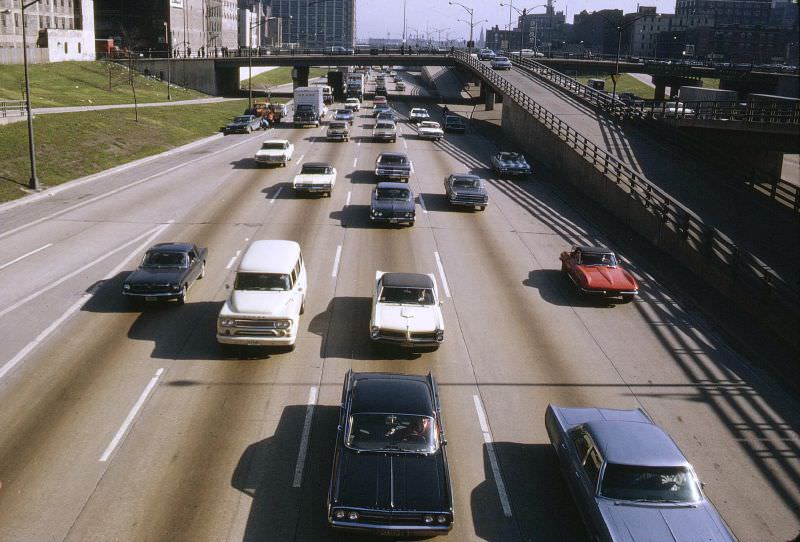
(166, 272)
(243, 124)
(454, 123)
(390, 472)
(393, 165)
(465, 189)
(392, 203)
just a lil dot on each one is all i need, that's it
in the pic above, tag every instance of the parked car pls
(501, 63)
(486, 54)
(353, 104)
(510, 163)
(393, 165)
(338, 131)
(628, 478)
(275, 151)
(430, 130)
(167, 271)
(390, 436)
(392, 203)
(466, 190)
(268, 296)
(243, 124)
(315, 178)
(384, 130)
(344, 115)
(596, 270)
(418, 114)
(454, 123)
(406, 310)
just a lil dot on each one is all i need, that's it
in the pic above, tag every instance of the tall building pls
(543, 31)
(317, 23)
(646, 40)
(507, 40)
(60, 29)
(725, 12)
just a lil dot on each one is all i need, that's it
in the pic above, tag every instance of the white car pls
(406, 310)
(275, 151)
(315, 178)
(352, 104)
(384, 130)
(268, 296)
(429, 129)
(418, 114)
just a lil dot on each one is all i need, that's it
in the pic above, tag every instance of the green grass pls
(625, 83)
(83, 83)
(72, 145)
(280, 76)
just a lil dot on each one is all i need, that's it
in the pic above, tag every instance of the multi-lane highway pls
(122, 423)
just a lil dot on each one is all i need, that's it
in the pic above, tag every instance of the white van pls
(268, 297)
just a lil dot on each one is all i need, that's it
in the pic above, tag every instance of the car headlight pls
(441, 518)
(377, 213)
(374, 331)
(339, 514)
(409, 215)
(352, 515)
(175, 286)
(439, 334)
(126, 286)
(428, 519)
(226, 322)
(283, 324)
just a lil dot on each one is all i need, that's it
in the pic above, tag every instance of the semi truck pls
(355, 86)
(309, 106)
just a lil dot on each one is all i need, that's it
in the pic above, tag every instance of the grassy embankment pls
(84, 83)
(628, 83)
(279, 76)
(72, 145)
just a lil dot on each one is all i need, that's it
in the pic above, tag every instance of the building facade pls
(726, 12)
(543, 31)
(645, 38)
(507, 40)
(317, 24)
(55, 30)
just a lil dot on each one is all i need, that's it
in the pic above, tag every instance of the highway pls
(120, 423)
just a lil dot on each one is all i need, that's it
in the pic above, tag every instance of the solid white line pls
(301, 158)
(115, 191)
(301, 456)
(336, 261)
(78, 271)
(233, 259)
(277, 193)
(442, 275)
(405, 143)
(31, 253)
(131, 415)
(347, 203)
(359, 143)
(422, 204)
(487, 439)
(355, 161)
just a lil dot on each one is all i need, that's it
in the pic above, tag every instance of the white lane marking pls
(301, 456)
(355, 161)
(487, 439)
(131, 415)
(347, 203)
(359, 143)
(277, 193)
(233, 260)
(336, 261)
(405, 143)
(13, 362)
(422, 204)
(117, 190)
(31, 253)
(441, 274)
(26, 299)
(299, 160)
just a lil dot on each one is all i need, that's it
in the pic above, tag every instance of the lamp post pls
(471, 12)
(521, 12)
(169, 54)
(250, 59)
(620, 27)
(33, 183)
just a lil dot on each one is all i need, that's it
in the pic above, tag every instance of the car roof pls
(391, 393)
(453, 117)
(276, 141)
(593, 250)
(392, 184)
(635, 443)
(172, 247)
(270, 256)
(317, 164)
(406, 280)
(392, 153)
(465, 176)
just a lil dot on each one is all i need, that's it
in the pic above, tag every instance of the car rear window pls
(277, 282)
(657, 484)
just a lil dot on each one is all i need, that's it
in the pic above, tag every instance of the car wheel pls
(627, 298)
(303, 305)
(202, 271)
(482, 207)
(182, 296)
(249, 130)
(564, 269)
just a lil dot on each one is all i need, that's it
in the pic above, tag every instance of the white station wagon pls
(268, 297)
(275, 151)
(406, 310)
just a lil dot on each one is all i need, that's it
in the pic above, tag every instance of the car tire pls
(482, 207)
(303, 305)
(202, 270)
(249, 130)
(627, 298)
(181, 299)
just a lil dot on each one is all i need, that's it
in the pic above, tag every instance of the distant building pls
(645, 35)
(508, 40)
(596, 30)
(542, 31)
(726, 12)
(743, 43)
(317, 24)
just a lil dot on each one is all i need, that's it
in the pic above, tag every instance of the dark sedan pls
(510, 163)
(629, 479)
(392, 203)
(243, 124)
(344, 115)
(465, 189)
(454, 123)
(166, 272)
(390, 471)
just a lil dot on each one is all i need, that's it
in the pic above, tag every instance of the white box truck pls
(309, 106)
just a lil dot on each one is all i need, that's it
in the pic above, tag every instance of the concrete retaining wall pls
(199, 75)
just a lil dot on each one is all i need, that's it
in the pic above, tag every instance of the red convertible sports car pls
(595, 270)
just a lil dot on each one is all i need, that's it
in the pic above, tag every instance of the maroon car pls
(595, 270)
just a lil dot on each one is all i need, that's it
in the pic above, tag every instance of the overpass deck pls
(757, 228)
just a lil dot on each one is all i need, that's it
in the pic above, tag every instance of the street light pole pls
(250, 59)
(471, 12)
(169, 54)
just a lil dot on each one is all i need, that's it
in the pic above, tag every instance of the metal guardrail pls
(767, 112)
(741, 266)
(12, 108)
(767, 185)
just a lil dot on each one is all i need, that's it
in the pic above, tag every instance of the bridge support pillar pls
(489, 98)
(766, 160)
(661, 88)
(300, 76)
(483, 87)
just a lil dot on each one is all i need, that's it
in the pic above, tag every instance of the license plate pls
(394, 220)
(150, 298)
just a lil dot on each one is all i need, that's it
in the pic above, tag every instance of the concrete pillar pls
(489, 100)
(300, 76)
(766, 160)
(661, 88)
(484, 86)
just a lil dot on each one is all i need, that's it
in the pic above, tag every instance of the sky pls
(377, 18)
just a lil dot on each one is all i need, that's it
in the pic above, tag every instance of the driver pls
(417, 430)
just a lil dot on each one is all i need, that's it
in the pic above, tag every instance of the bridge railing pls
(12, 108)
(738, 265)
(770, 112)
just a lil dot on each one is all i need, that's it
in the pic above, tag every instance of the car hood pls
(429, 129)
(145, 275)
(313, 179)
(663, 523)
(412, 318)
(598, 276)
(271, 152)
(396, 206)
(261, 303)
(393, 481)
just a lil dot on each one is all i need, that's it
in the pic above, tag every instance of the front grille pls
(389, 172)
(472, 199)
(392, 333)
(150, 288)
(424, 336)
(251, 323)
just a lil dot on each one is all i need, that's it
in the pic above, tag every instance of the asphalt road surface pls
(124, 423)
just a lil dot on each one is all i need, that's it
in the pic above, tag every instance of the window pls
(581, 445)
(592, 466)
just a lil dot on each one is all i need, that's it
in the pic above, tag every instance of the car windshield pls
(419, 112)
(407, 296)
(164, 259)
(501, 59)
(453, 120)
(241, 119)
(273, 146)
(310, 169)
(276, 282)
(657, 484)
(400, 194)
(344, 113)
(392, 433)
(598, 258)
(337, 125)
(384, 126)
(466, 182)
(391, 159)
(510, 157)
